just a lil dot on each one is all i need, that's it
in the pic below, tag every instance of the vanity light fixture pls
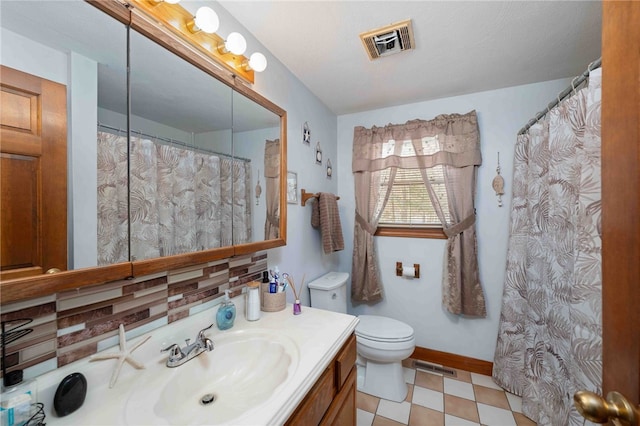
(200, 32)
(157, 2)
(257, 62)
(235, 43)
(205, 20)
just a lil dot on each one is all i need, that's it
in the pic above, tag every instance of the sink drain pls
(207, 399)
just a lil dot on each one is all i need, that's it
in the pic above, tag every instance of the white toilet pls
(382, 342)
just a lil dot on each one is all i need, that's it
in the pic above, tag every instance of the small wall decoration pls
(292, 187)
(498, 184)
(258, 189)
(318, 154)
(306, 133)
(329, 168)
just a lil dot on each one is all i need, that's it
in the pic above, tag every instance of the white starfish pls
(122, 356)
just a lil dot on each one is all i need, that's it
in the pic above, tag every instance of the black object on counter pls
(70, 394)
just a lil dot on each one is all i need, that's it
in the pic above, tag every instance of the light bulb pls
(257, 62)
(207, 20)
(235, 43)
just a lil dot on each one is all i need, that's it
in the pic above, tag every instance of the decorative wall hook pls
(318, 154)
(329, 168)
(498, 184)
(306, 133)
(258, 189)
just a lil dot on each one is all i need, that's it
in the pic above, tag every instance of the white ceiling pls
(461, 47)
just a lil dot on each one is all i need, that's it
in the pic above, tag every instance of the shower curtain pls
(180, 200)
(550, 335)
(113, 215)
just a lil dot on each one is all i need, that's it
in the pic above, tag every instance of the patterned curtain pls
(241, 202)
(272, 184)
(550, 337)
(449, 140)
(181, 200)
(113, 188)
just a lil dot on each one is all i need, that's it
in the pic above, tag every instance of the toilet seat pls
(384, 330)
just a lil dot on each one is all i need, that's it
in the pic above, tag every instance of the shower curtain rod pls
(174, 142)
(575, 83)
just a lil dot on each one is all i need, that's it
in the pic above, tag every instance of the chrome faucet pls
(178, 356)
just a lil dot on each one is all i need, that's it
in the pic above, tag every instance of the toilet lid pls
(383, 329)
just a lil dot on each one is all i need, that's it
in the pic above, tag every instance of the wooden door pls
(621, 198)
(33, 168)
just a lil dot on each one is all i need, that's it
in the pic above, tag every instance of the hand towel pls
(325, 215)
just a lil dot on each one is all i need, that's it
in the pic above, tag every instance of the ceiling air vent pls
(394, 38)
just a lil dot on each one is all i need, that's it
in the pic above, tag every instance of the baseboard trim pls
(452, 360)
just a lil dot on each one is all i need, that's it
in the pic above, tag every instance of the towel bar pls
(305, 196)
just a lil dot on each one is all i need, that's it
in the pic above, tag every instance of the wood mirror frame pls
(25, 288)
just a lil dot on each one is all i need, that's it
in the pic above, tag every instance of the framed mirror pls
(181, 110)
(64, 65)
(182, 167)
(256, 139)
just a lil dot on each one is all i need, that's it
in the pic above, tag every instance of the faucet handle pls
(175, 352)
(201, 333)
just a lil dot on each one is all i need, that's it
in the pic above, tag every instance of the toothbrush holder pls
(272, 302)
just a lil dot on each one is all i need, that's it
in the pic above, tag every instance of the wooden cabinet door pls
(33, 168)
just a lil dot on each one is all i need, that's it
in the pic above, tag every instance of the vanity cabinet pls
(332, 400)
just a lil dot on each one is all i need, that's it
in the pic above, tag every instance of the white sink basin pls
(242, 372)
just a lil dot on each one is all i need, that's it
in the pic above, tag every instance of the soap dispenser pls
(226, 313)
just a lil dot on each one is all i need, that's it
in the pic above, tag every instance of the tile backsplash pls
(75, 324)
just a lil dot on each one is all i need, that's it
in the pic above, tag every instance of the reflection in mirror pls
(182, 171)
(256, 133)
(62, 53)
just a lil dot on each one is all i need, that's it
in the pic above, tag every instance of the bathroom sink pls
(243, 371)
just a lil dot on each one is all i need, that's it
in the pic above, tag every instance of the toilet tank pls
(330, 292)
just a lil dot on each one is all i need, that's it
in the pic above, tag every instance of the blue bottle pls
(226, 313)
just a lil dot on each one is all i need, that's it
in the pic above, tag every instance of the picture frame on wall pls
(292, 187)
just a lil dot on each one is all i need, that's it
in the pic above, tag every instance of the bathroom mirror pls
(82, 52)
(83, 44)
(183, 172)
(256, 139)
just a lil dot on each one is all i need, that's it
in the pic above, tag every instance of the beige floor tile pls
(488, 396)
(367, 402)
(408, 363)
(461, 407)
(522, 420)
(429, 381)
(423, 416)
(383, 421)
(409, 393)
(463, 376)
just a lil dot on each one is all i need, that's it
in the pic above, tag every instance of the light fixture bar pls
(176, 18)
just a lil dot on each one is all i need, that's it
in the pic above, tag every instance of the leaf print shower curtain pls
(181, 200)
(550, 336)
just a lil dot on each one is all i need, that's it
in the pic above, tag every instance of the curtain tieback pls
(273, 219)
(365, 225)
(459, 227)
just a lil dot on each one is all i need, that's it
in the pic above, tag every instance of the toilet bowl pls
(382, 342)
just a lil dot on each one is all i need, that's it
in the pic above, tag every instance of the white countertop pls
(317, 334)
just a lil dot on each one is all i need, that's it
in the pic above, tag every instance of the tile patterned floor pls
(469, 399)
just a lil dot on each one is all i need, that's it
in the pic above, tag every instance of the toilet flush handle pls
(334, 296)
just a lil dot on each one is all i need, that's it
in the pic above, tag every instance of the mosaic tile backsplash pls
(75, 324)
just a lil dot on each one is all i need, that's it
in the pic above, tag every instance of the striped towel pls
(325, 215)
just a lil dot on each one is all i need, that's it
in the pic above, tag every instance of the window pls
(409, 211)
